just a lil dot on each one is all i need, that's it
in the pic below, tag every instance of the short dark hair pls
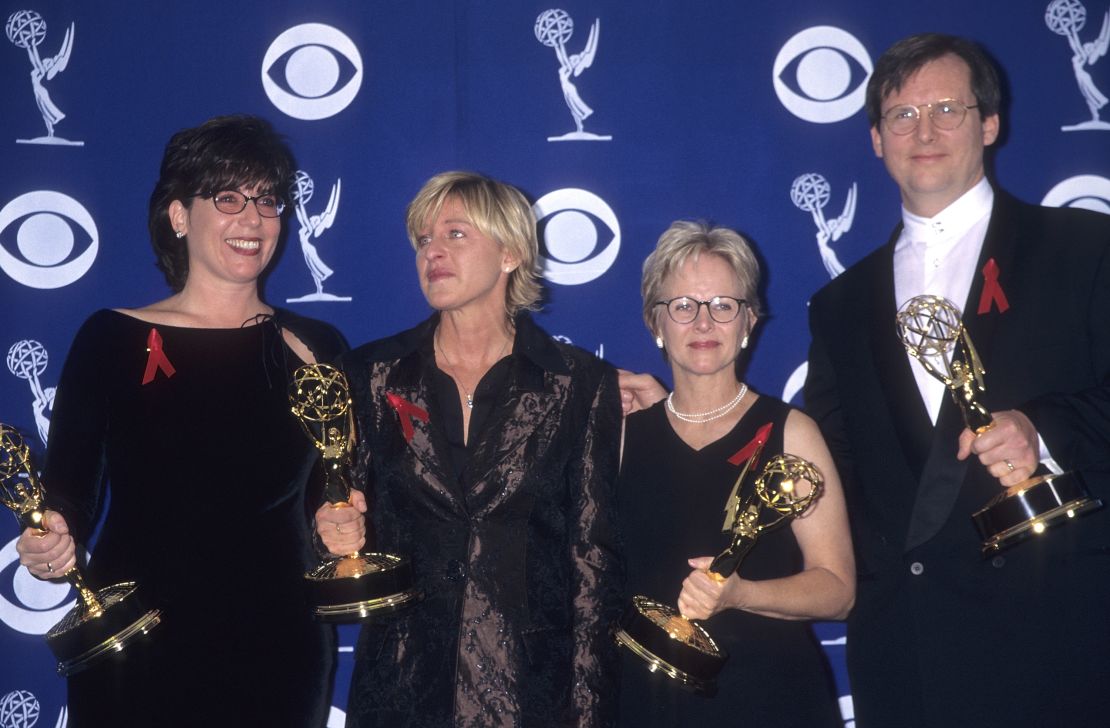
(909, 55)
(223, 153)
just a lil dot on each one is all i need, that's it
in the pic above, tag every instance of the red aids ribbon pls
(992, 291)
(406, 411)
(156, 359)
(757, 442)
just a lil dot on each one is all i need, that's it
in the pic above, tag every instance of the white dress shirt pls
(937, 256)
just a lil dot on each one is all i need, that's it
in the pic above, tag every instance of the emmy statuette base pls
(356, 588)
(670, 644)
(82, 638)
(1029, 508)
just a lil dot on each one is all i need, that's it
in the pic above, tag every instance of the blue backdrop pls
(616, 117)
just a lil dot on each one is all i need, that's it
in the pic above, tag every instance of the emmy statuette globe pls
(359, 585)
(680, 648)
(931, 329)
(104, 622)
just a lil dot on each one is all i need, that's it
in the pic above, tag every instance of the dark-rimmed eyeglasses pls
(722, 309)
(231, 202)
(946, 114)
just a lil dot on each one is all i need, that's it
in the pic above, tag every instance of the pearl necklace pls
(712, 414)
(451, 368)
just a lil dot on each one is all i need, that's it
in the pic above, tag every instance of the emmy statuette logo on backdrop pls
(312, 71)
(810, 193)
(553, 29)
(820, 74)
(313, 226)
(27, 359)
(569, 236)
(21, 709)
(45, 240)
(27, 30)
(1067, 18)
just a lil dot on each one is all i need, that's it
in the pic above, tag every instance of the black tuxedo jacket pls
(941, 636)
(518, 559)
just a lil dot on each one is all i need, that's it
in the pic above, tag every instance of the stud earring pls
(659, 341)
(180, 234)
(744, 342)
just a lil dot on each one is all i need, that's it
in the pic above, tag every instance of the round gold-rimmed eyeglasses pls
(946, 114)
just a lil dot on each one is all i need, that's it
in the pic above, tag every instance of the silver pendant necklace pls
(451, 369)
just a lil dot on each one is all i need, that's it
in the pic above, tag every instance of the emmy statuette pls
(931, 330)
(681, 648)
(359, 585)
(102, 623)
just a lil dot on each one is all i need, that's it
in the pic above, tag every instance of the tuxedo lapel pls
(941, 478)
(907, 410)
(943, 475)
(998, 245)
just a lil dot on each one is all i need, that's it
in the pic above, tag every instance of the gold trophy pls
(358, 585)
(931, 330)
(681, 648)
(102, 623)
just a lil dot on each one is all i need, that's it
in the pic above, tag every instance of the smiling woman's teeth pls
(243, 244)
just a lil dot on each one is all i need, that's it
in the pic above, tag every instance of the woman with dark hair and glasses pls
(181, 409)
(701, 303)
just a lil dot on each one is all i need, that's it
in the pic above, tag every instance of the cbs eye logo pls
(28, 605)
(1086, 191)
(820, 74)
(312, 71)
(48, 231)
(572, 243)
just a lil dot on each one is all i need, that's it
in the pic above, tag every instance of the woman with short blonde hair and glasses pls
(680, 460)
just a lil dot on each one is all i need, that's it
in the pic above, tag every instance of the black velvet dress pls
(199, 478)
(672, 502)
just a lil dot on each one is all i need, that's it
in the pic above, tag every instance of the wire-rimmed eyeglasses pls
(946, 114)
(231, 202)
(722, 309)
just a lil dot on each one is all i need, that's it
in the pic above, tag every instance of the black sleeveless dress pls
(199, 483)
(672, 502)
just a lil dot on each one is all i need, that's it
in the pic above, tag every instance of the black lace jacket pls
(518, 560)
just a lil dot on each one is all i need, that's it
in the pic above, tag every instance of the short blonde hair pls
(500, 212)
(685, 240)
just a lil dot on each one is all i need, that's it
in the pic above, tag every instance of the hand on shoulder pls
(638, 391)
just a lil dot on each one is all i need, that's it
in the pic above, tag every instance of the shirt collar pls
(530, 342)
(951, 223)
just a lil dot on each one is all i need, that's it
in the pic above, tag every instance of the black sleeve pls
(596, 554)
(76, 460)
(822, 396)
(1075, 425)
